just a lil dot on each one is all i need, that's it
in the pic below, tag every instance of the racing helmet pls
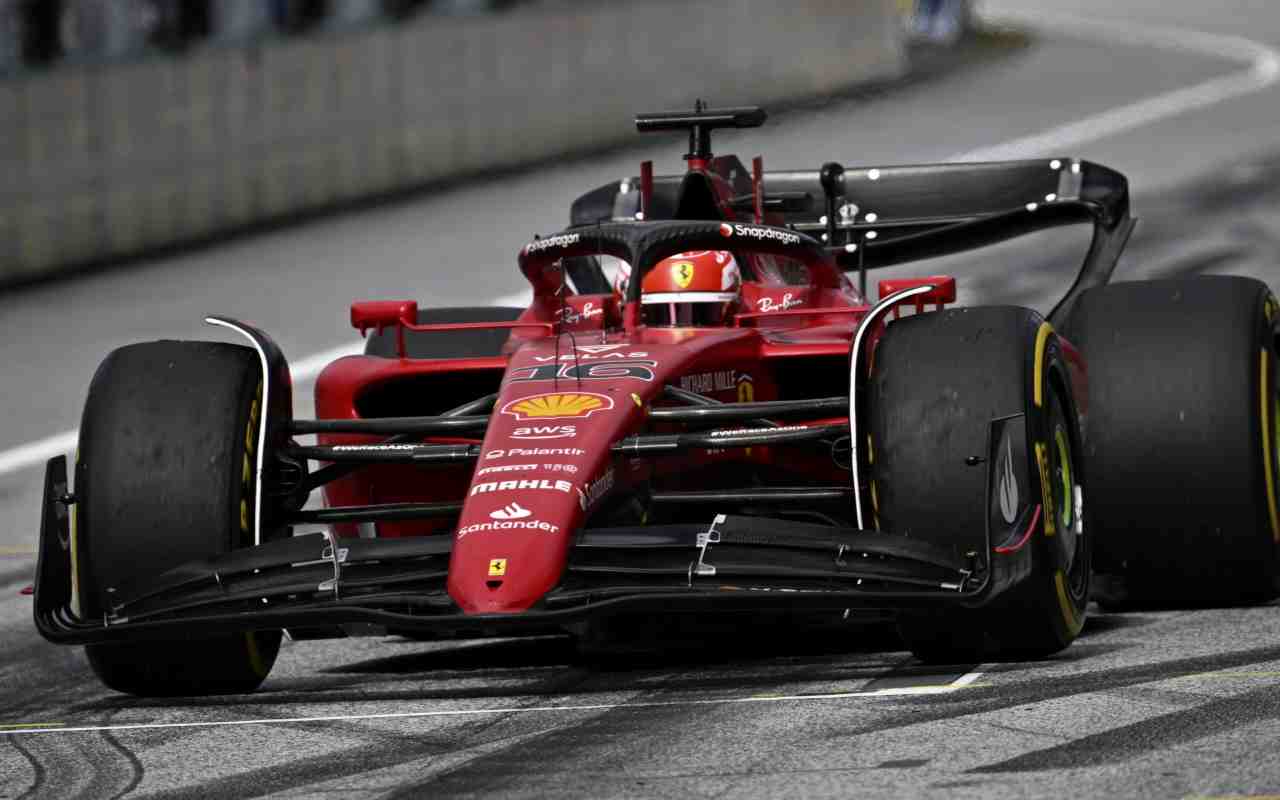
(694, 289)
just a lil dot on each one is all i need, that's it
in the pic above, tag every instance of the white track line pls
(38, 452)
(948, 688)
(1263, 71)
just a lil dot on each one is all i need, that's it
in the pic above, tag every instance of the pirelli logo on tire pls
(1046, 489)
(247, 462)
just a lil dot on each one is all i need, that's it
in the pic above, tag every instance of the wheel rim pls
(1064, 486)
(1068, 498)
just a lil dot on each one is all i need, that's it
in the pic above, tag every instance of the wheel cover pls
(1068, 498)
(1064, 484)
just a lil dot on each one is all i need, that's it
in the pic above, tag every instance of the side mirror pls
(944, 291)
(379, 314)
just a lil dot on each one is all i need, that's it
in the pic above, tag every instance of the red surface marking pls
(1026, 537)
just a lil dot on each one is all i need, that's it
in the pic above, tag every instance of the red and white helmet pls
(694, 289)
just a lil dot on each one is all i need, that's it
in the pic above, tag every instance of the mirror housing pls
(379, 314)
(944, 290)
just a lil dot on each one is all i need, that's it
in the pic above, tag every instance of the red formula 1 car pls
(728, 427)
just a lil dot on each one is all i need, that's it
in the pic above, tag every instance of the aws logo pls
(545, 432)
(558, 405)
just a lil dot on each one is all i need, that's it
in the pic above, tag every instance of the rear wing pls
(898, 214)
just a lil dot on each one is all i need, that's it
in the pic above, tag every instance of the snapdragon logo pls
(759, 234)
(562, 240)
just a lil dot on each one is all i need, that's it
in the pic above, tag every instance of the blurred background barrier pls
(136, 124)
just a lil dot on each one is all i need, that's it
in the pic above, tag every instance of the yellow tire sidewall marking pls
(1042, 341)
(73, 530)
(1046, 489)
(255, 655)
(1073, 619)
(1269, 404)
(246, 467)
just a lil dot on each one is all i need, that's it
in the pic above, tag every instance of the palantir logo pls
(513, 511)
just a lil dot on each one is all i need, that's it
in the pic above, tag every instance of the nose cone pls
(547, 457)
(543, 449)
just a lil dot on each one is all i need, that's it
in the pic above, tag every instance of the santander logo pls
(513, 511)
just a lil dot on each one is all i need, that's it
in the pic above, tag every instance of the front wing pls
(316, 581)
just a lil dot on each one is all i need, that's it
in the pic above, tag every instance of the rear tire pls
(164, 475)
(939, 381)
(1182, 437)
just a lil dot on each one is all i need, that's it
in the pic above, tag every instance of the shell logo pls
(558, 405)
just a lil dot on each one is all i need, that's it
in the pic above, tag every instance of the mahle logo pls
(558, 405)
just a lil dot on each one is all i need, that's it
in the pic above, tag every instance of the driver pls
(695, 289)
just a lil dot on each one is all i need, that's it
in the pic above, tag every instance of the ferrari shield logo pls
(497, 567)
(682, 273)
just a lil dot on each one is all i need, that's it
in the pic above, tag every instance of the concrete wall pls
(99, 164)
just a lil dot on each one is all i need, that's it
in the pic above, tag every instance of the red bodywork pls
(547, 465)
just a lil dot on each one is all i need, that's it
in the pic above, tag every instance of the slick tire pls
(1182, 437)
(938, 381)
(164, 476)
(478, 343)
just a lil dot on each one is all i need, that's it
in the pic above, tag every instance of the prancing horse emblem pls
(682, 272)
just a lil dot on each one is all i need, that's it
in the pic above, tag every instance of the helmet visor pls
(686, 315)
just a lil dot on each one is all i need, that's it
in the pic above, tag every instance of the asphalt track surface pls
(1159, 704)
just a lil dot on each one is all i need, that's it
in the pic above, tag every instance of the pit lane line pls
(1263, 71)
(968, 680)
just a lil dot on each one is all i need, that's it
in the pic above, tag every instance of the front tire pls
(164, 475)
(939, 381)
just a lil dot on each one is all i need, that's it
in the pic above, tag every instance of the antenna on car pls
(831, 176)
(700, 123)
(757, 189)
